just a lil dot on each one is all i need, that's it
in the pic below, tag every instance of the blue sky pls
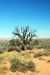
(34, 13)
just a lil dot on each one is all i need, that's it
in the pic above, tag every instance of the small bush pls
(48, 61)
(12, 42)
(38, 54)
(18, 49)
(11, 48)
(31, 66)
(1, 58)
(39, 47)
(42, 53)
(2, 51)
(29, 47)
(46, 52)
(16, 64)
(23, 67)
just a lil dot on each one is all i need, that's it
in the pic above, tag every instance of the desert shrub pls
(38, 54)
(41, 43)
(42, 53)
(11, 48)
(18, 42)
(16, 64)
(12, 42)
(1, 58)
(48, 61)
(44, 43)
(35, 43)
(40, 58)
(31, 66)
(18, 49)
(39, 46)
(23, 67)
(4, 45)
(2, 51)
(29, 47)
(46, 52)
(27, 53)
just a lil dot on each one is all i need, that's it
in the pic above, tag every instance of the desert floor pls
(42, 66)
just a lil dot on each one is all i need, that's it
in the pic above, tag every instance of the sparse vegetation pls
(42, 53)
(16, 64)
(4, 45)
(20, 52)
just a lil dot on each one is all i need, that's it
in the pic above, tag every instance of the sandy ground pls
(42, 66)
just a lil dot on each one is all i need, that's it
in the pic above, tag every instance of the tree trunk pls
(23, 47)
